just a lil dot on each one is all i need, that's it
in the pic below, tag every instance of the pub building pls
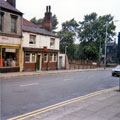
(10, 37)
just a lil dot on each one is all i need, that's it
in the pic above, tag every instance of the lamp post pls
(66, 57)
(106, 43)
(105, 46)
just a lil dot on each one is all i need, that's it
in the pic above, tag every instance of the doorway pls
(39, 62)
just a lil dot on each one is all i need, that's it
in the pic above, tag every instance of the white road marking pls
(67, 79)
(25, 85)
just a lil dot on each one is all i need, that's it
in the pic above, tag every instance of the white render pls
(41, 41)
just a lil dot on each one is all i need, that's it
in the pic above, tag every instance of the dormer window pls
(32, 39)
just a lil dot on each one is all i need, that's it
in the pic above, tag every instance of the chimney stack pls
(12, 2)
(47, 23)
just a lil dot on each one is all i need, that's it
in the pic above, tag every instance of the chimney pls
(47, 22)
(12, 2)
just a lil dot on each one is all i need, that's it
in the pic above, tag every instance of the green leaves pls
(92, 33)
(40, 21)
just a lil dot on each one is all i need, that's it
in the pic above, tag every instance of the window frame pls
(25, 58)
(31, 58)
(34, 41)
(46, 57)
(1, 20)
(52, 42)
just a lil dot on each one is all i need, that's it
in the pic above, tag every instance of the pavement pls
(36, 73)
(100, 105)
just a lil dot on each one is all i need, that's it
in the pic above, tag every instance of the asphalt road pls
(22, 95)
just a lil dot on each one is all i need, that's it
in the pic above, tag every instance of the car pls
(116, 71)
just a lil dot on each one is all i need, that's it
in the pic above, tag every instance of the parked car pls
(116, 71)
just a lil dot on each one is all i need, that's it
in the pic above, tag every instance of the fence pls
(83, 64)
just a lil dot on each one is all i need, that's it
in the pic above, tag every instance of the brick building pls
(40, 45)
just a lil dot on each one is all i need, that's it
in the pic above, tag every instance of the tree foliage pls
(67, 37)
(92, 33)
(40, 21)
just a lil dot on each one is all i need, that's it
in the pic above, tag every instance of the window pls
(45, 57)
(52, 42)
(30, 57)
(1, 21)
(13, 24)
(27, 57)
(51, 57)
(33, 57)
(32, 39)
(55, 57)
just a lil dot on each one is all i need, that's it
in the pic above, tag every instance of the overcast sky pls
(68, 9)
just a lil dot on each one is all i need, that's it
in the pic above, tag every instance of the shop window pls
(27, 57)
(32, 39)
(13, 24)
(45, 57)
(51, 57)
(10, 57)
(33, 57)
(52, 42)
(55, 57)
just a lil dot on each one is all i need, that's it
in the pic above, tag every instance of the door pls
(60, 63)
(39, 62)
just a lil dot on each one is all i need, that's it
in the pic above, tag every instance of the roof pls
(30, 27)
(6, 5)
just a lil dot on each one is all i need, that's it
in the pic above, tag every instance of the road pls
(22, 95)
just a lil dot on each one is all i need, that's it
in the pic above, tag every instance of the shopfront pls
(10, 54)
(9, 59)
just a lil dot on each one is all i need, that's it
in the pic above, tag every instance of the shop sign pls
(10, 50)
(4, 38)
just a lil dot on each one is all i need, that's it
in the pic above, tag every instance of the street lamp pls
(66, 57)
(106, 43)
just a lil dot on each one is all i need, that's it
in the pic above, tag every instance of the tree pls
(67, 36)
(40, 21)
(34, 20)
(92, 34)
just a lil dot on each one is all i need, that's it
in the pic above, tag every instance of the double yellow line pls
(39, 111)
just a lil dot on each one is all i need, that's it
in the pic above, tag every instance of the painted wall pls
(41, 41)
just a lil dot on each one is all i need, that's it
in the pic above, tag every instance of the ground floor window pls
(30, 57)
(53, 57)
(9, 57)
(45, 57)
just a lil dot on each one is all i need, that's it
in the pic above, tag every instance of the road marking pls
(25, 85)
(39, 111)
(67, 79)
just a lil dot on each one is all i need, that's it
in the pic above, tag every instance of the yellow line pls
(30, 114)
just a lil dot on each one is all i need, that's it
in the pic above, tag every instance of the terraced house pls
(40, 45)
(10, 36)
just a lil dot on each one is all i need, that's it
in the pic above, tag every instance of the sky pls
(68, 9)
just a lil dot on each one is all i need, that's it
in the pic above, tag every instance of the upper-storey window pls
(52, 42)
(13, 24)
(1, 21)
(32, 39)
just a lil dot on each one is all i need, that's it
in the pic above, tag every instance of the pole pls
(119, 83)
(105, 47)
(66, 57)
